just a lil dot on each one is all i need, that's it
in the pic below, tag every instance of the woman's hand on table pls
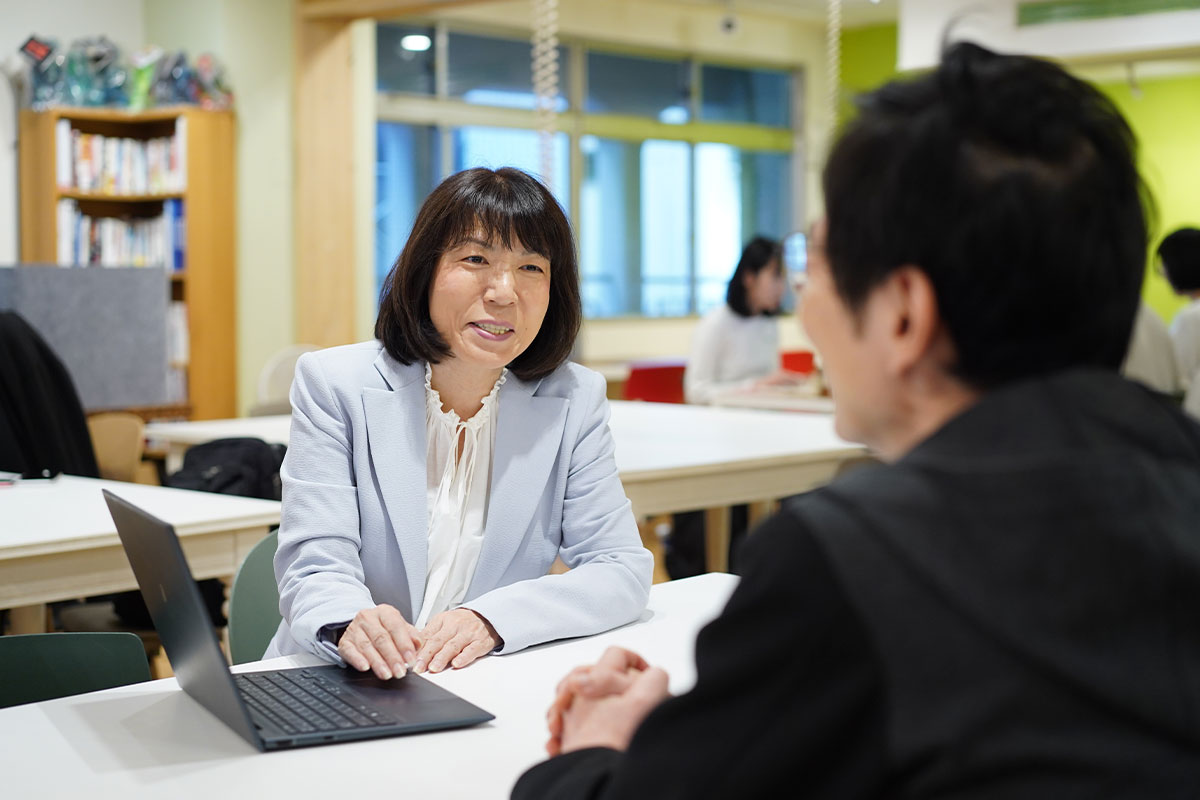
(381, 640)
(781, 378)
(455, 638)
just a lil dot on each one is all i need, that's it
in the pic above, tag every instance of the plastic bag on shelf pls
(47, 78)
(144, 68)
(174, 82)
(212, 90)
(94, 73)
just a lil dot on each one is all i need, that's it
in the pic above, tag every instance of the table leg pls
(648, 529)
(758, 512)
(28, 619)
(716, 539)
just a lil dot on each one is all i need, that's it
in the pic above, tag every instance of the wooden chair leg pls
(716, 539)
(648, 528)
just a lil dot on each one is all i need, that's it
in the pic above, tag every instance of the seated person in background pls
(1007, 608)
(434, 474)
(736, 345)
(1151, 358)
(1179, 254)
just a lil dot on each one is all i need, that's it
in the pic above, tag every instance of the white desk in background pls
(179, 436)
(670, 457)
(152, 740)
(767, 400)
(58, 541)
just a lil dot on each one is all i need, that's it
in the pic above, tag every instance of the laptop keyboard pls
(301, 701)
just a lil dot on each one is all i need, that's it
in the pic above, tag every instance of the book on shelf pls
(177, 334)
(175, 233)
(85, 240)
(110, 165)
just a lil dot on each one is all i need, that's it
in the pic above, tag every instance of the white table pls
(58, 541)
(769, 400)
(671, 457)
(152, 740)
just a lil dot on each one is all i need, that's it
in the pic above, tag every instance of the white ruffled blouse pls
(457, 496)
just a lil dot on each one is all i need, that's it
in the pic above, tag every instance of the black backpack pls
(246, 467)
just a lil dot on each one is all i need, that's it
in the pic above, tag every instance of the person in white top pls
(433, 475)
(1179, 256)
(1151, 358)
(736, 345)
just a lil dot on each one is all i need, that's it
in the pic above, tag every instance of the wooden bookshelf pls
(207, 285)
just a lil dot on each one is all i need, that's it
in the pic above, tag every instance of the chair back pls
(797, 361)
(275, 377)
(118, 441)
(655, 382)
(254, 603)
(43, 666)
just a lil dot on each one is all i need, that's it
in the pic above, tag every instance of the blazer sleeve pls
(789, 693)
(609, 580)
(317, 565)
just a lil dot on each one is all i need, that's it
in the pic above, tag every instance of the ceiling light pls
(416, 42)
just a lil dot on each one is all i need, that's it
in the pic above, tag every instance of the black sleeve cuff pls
(580, 775)
(332, 633)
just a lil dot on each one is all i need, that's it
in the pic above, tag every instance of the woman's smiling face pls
(488, 301)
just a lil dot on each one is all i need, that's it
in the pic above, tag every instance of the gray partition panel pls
(108, 325)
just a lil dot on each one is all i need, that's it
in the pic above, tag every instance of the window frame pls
(445, 113)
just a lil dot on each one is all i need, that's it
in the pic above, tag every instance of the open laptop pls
(277, 709)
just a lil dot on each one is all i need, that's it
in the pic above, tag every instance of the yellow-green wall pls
(868, 59)
(1165, 116)
(1166, 119)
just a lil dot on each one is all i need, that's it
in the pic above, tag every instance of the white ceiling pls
(854, 12)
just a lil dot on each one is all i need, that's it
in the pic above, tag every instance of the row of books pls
(121, 242)
(91, 162)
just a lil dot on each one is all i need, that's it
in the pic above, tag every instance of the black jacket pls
(42, 424)
(1010, 611)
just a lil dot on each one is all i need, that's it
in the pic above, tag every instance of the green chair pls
(43, 666)
(254, 603)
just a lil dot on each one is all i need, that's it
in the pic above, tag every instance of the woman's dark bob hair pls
(756, 255)
(507, 206)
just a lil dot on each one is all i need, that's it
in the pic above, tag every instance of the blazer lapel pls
(397, 441)
(529, 431)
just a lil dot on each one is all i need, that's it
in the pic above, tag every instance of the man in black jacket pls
(1008, 608)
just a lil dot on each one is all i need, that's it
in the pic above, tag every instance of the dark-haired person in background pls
(1179, 255)
(434, 474)
(1007, 607)
(736, 345)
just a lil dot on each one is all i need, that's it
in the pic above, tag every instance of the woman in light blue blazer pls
(434, 474)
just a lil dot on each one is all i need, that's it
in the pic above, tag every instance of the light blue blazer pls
(355, 526)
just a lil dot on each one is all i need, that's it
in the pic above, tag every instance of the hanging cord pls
(833, 69)
(545, 82)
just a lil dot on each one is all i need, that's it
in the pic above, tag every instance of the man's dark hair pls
(1180, 256)
(507, 206)
(757, 254)
(1014, 186)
